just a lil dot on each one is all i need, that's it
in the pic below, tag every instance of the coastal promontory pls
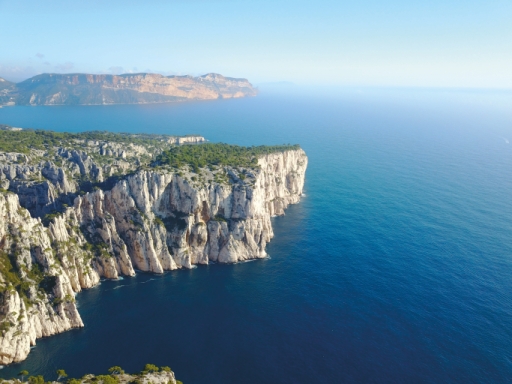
(140, 88)
(78, 208)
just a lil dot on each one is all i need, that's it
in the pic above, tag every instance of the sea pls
(395, 267)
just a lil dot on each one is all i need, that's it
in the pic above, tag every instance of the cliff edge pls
(76, 208)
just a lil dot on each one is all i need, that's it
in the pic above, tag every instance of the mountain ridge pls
(137, 88)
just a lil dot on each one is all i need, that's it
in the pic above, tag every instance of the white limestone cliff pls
(26, 246)
(153, 220)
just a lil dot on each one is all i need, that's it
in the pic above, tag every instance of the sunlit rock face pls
(141, 88)
(152, 220)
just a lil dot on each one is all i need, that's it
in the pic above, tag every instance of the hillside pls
(5, 84)
(6, 88)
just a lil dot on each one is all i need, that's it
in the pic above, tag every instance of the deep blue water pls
(396, 267)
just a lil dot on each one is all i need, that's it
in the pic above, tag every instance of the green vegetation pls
(95, 244)
(105, 379)
(23, 374)
(116, 376)
(7, 271)
(67, 299)
(12, 276)
(115, 370)
(61, 374)
(150, 368)
(210, 154)
(39, 379)
(50, 216)
(25, 140)
(220, 219)
(159, 221)
(2, 190)
(98, 248)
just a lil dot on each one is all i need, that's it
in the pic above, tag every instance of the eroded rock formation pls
(154, 219)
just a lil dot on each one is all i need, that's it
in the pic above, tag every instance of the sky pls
(435, 43)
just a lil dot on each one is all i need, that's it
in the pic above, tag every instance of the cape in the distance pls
(139, 88)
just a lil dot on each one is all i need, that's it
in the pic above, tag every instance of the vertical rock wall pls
(150, 221)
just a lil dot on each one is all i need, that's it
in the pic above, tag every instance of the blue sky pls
(463, 43)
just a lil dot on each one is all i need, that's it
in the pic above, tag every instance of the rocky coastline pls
(151, 374)
(138, 88)
(74, 210)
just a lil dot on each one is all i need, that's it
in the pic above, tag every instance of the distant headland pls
(139, 88)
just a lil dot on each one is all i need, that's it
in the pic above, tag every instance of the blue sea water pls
(396, 267)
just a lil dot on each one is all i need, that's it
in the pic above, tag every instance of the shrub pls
(36, 379)
(107, 379)
(61, 374)
(220, 218)
(116, 370)
(23, 374)
(149, 368)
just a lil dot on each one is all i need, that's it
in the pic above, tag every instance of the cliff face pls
(152, 220)
(59, 89)
(43, 303)
(45, 179)
(156, 221)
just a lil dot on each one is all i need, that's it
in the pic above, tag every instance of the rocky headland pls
(140, 88)
(78, 208)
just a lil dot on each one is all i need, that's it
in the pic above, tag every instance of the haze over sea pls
(396, 267)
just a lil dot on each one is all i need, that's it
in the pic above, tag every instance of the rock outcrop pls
(37, 297)
(155, 219)
(155, 375)
(46, 179)
(140, 88)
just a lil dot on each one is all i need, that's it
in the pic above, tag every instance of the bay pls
(396, 266)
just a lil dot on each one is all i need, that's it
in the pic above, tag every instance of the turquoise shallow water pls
(395, 267)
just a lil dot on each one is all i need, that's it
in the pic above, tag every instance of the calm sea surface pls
(396, 267)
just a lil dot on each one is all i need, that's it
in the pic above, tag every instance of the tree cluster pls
(213, 154)
(25, 140)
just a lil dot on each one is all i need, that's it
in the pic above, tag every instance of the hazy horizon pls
(285, 85)
(399, 43)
